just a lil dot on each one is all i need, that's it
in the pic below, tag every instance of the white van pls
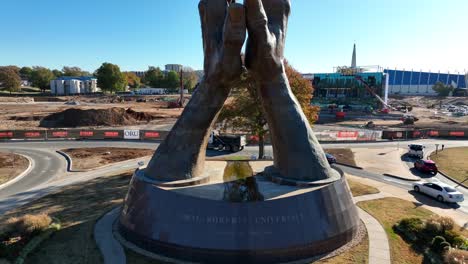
(416, 150)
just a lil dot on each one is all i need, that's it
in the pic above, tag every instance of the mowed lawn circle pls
(453, 162)
(11, 165)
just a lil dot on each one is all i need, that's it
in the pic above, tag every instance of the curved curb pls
(452, 179)
(402, 178)
(111, 249)
(69, 160)
(447, 176)
(70, 163)
(21, 175)
(350, 166)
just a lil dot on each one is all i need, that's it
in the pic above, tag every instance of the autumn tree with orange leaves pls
(243, 111)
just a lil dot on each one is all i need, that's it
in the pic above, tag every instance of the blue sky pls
(407, 34)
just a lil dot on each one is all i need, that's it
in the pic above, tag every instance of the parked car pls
(426, 166)
(331, 159)
(416, 150)
(441, 191)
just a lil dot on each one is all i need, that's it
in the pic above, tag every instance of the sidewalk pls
(383, 161)
(387, 190)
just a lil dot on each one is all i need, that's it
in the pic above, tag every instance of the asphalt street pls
(47, 165)
(49, 169)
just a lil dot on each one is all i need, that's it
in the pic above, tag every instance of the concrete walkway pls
(383, 161)
(379, 249)
(111, 250)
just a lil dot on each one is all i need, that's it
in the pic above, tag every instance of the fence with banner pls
(339, 136)
(135, 134)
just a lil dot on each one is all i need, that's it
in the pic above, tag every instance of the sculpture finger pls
(212, 17)
(277, 12)
(234, 29)
(257, 20)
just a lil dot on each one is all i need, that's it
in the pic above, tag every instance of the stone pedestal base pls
(200, 223)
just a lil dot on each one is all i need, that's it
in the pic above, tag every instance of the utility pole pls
(181, 99)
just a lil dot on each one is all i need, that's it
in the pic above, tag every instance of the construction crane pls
(373, 93)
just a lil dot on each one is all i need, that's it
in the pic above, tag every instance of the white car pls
(441, 191)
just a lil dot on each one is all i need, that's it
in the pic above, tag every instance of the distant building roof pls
(79, 78)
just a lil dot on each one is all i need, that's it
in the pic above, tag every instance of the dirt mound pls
(115, 116)
(26, 118)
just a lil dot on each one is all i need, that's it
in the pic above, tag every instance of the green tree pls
(26, 72)
(154, 77)
(110, 78)
(14, 68)
(243, 111)
(57, 73)
(172, 80)
(442, 89)
(190, 79)
(41, 77)
(10, 79)
(132, 79)
(74, 72)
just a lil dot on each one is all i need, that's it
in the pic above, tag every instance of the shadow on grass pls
(78, 207)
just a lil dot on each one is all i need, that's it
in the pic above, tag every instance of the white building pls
(73, 85)
(149, 91)
(153, 91)
(421, 83)
(174, 67)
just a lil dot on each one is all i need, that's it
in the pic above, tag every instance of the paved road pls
(438, 177)
(49, 167)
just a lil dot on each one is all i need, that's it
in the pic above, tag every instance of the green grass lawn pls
(359, 189)
(78, 207)
(388, 211)
(453, 162)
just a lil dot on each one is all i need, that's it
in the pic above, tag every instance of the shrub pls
(433, 226)
(9, 227)
(28, 224)
(445, 246)
(34, 223)
(456, 256)
(4, 261)
(455, 239)
(446, 223)
(439, 244)
(410, 227)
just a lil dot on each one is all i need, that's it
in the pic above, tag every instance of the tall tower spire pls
(353, 61)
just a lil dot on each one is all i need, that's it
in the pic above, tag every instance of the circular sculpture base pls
(245, 221)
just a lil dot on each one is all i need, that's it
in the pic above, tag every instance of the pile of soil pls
(115, 116)
(26, 118)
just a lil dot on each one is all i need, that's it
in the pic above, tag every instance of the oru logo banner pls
(131, 134)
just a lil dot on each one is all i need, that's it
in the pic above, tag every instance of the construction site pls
(87, 112)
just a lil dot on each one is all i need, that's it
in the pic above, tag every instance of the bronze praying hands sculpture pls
(297, 153)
